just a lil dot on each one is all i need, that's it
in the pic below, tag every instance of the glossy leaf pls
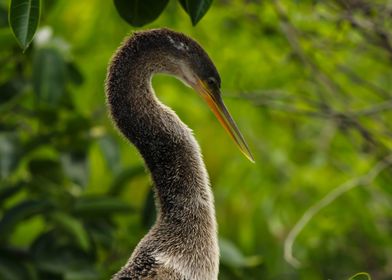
(196, 9)
(24, 18)
(140, 12)
(49, 76)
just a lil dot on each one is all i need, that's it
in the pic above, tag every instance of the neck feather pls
(167, 145)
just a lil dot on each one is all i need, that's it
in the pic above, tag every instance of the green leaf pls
(52, 253)
(140, 12)
(233, 257)
(49, 72)
(361, 276)
(46, 168)
(8, 191)
(100, 205)
(12, 268)
(76, 167)
(196, 9)
(20, 212)
(9, 153)
(74, 74)
(73, 227)
(111, 152)
(125, 176)
(24, 17)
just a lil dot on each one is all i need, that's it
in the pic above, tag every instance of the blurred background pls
(309, 83)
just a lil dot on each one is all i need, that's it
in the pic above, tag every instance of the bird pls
(182, 244)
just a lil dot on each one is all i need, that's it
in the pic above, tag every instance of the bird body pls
(182, 244)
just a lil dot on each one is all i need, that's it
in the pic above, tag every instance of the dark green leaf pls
(53, 254)
(9, 153)
(9, 190)
(125, 176)
(73, 227)
(196, 9)
(74, 74)
(24, 17)
(49, 76)
(20, 212)
(100, 206)
(140, 12)
(149, 211)
(10, 90)
(6, 38)
(12, 269)
(46, 168)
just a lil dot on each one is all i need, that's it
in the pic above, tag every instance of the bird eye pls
(212, 82)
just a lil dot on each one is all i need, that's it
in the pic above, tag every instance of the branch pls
(364, 180)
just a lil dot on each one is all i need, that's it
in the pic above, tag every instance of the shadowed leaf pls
(140, 12)
(196, 9)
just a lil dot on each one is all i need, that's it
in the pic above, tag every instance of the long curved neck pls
(166, 144)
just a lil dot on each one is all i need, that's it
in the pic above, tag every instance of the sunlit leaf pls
(24, 17)
(140, 12)
(361, 276)
(196, 9)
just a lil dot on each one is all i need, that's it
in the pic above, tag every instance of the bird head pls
(193, 66)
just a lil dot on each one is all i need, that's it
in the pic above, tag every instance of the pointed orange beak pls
(217, 106)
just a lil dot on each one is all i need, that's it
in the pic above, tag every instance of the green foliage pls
(308, 83)
(24, 18)
(196, 9)
(361, 276)
(140, 12)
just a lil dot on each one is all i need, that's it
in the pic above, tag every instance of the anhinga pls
(182, 244)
